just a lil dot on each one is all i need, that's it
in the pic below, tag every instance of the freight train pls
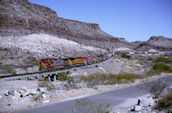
(65, 63)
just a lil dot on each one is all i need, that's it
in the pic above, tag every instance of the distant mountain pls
(155, 42)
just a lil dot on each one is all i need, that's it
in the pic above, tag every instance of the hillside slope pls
(25, 51)
(19, 17)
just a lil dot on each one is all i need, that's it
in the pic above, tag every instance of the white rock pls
(147, 101)
(0, 96)
(45, 101)
(11, 92)
(17, 94)
(24, 88)
(33, 91)
(26, 94)
(43, 90)
(138, 108)
(21, 91)
(44, 96)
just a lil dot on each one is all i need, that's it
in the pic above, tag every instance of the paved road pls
(114, 98)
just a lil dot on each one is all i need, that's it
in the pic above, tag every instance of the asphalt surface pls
(114, 98)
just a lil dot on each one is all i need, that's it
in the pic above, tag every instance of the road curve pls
(114, 98)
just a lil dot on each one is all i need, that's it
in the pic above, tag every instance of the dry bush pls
(104, 79)
(165, 103)
(86, 106)
(157, 88)
(49, 85)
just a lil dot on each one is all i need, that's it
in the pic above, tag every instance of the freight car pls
(55, 64)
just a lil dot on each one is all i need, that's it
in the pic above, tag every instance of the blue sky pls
(129, 19)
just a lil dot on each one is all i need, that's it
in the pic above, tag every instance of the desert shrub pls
(158, 68)
(151, 72)
(165, 103)
(49, 85)
(97, 76)
(63, 76)
(157, 88)
(46, 79)
(150, 58)
(36, 62)
(124, 77)
(9, 70)
(163, 59)
(104, 79)
(86, 106)
(95, 79)
(126, 56)
(37, 97)
(162, 67)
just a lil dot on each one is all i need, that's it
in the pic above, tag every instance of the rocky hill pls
(160, 41)
(19, 17)
(155, 42)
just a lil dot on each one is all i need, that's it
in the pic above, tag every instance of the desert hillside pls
(19, 17)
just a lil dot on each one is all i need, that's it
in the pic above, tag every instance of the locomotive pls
(65, 63)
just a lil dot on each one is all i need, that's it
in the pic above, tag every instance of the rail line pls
(40, 74)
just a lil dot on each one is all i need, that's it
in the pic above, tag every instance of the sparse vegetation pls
(150, 58)
(49, 85)
(165, 103)
(36, 62)
(9, 69)
(37, 97)
(162, 67)
(86, 106)
(63, 76)
(163, 60)
(158, 68)
(125, 77)
(101, 78)
(157, 88)
(126, 56)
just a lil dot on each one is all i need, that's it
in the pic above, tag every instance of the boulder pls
(21, 91)
(24, 88)
(45, 101)
(147, 101)
(33, 91)
(44, 96)
(17, 94)
(42, 90)
(11, 92)
(138, 108)
(26, 94)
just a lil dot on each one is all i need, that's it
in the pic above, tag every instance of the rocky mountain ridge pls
(19, 17)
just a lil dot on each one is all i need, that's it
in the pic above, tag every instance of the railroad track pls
(37, 75)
